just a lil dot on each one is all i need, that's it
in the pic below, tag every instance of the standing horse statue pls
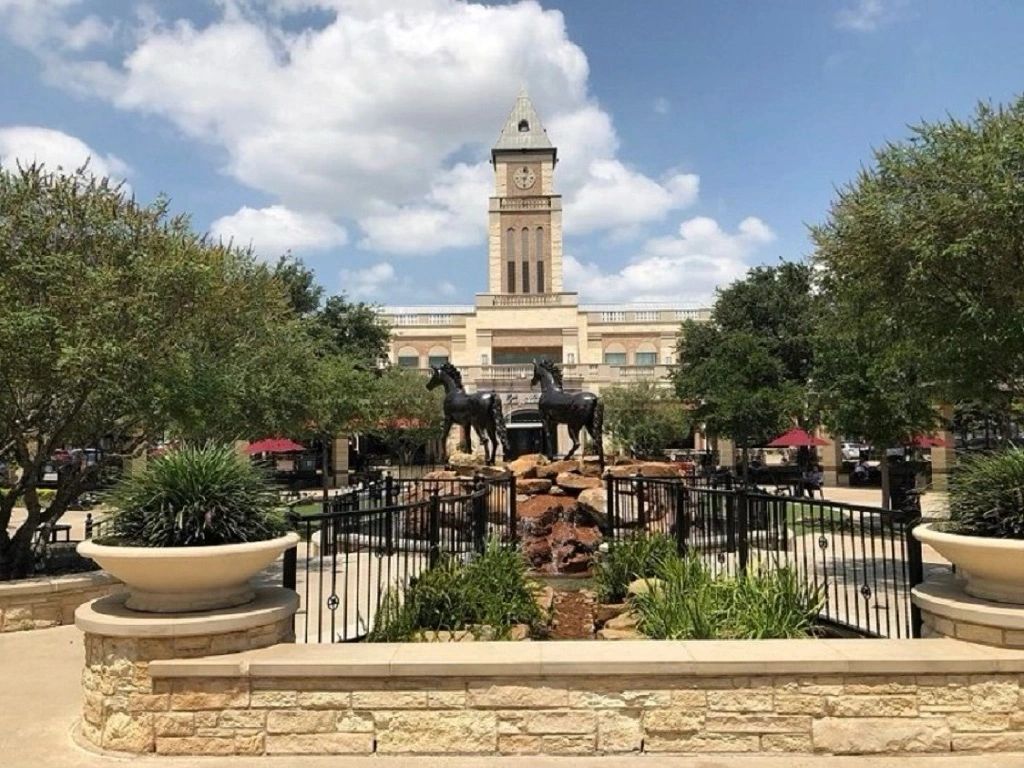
(481, 411)
(576, 410)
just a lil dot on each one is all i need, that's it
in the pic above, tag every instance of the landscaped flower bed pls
(640, 588)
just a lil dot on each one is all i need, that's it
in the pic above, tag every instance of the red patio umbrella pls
(274, 445)
(928, 441)
(796, 438)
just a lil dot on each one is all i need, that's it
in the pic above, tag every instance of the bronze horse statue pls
(576, 410)
(480, 410)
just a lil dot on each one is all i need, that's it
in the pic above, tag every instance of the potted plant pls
(191, 530)
(984, 537)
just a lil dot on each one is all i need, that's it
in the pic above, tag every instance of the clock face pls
(524, 177)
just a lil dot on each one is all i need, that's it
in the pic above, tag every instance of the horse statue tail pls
(499, 423)
(597, 420)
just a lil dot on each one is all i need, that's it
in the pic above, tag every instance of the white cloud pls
(273, 230)
(381, 281)
(614, 196)
(369, 283)
(662, 106)
(26, 144)
(866, 15)
(683, 268)
(383, 114)
(453, 215)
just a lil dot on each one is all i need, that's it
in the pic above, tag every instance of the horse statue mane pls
(452, 371)
(553, 369)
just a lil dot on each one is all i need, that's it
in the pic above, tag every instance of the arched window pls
(524, 126)
(615, 354)
(510, 257)
(408, 357)
(540, 260)
(437, 356)
(646, 354)
(525, 256)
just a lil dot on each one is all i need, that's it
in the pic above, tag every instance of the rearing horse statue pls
(480, 410)
(576, 410)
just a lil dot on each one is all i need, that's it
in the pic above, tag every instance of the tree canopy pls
(745, 372)
(930, 240)
(119, 324)
(644, 416)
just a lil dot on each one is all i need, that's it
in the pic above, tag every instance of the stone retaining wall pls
(599, 715)
(809, 696)
(122, 708)
(50, 601)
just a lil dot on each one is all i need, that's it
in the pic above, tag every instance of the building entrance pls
(525, 434)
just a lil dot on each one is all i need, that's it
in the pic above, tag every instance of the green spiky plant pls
(197, 495)
(627, 560)
(690, 603)
(986, 496)
(492, 590)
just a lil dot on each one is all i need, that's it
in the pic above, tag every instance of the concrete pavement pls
(40, 699)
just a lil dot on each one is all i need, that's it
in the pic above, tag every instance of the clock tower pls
(525, 216)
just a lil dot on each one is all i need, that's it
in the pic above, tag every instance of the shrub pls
(986, 495)
(490, 590)
(194, 496)
(625, 561)
(690, 603)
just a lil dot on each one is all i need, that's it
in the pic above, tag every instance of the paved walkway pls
(40, 699)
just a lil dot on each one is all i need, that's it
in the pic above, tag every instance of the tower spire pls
(523, 130)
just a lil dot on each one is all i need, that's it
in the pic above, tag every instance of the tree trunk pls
(886, 480)
(746, 464)
(325, 482)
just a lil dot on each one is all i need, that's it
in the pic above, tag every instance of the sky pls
(695, 139)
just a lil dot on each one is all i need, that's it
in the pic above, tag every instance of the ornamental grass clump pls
(690, 603)
(986, 496)
(490, 591)
(625, 561)
(194, 496)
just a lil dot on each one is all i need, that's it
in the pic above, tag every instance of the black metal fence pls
(380, 537)
(864, 560)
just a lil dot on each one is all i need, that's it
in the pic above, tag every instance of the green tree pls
(304, 293)
(407, 416)
(734, 383)
(931, 233)
(746, 371)
(644, 416)
(118, 325)
(775, 304)
(354, 330)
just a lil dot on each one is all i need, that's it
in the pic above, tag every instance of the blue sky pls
(696, 138)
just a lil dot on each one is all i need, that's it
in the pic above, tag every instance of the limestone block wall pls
(599, 715)
(123, 708)
(50, 601)
(578, 698)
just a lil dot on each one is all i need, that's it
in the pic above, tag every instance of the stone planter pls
(185, 579)
(992, 569)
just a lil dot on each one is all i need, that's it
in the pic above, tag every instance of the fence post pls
(641, 502)
(743, 517)
(479, 507)
(513, 521)
(609, 505)
(682, 518)
(88, 525)
(915, 572)
(434, 531)
(389, 492)
(291, 559)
